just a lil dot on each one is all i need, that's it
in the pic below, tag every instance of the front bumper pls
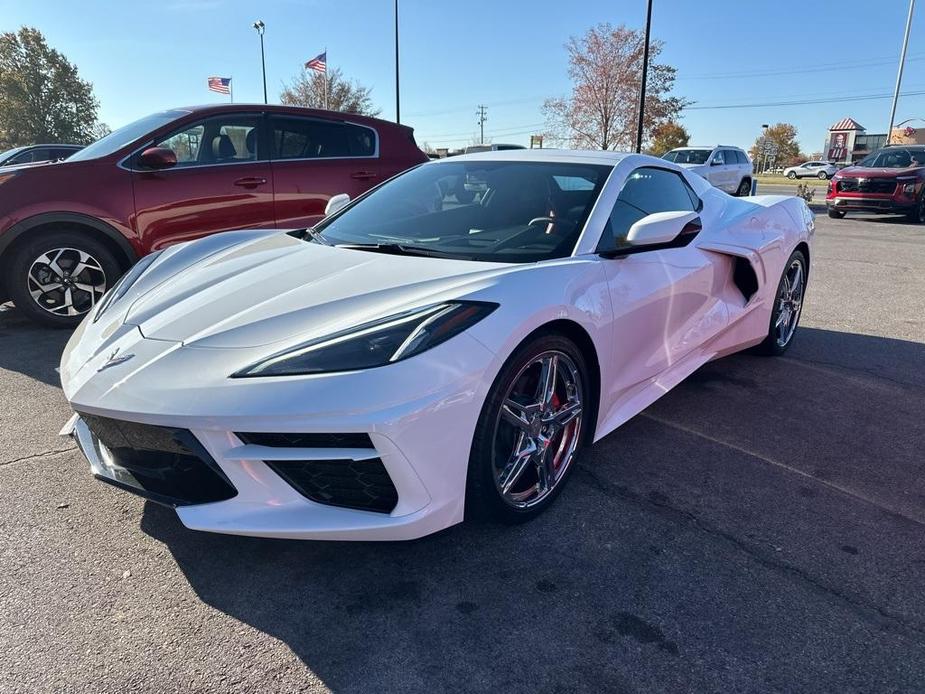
(869, 204)
(419, 416)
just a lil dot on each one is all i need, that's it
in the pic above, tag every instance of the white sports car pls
(442, 346)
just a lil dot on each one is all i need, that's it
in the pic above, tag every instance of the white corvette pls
(442, 346)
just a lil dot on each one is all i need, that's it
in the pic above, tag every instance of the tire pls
(792, 175)
(836, 214)
(822, 176)
(745, 188)
(778, 340)
(36, 263)
(498, 439)
(917, 216)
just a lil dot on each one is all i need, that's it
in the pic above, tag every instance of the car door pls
(315, 159)
(664, 299)
(222, 181)
(719, 172)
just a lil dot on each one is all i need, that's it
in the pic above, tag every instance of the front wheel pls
(532, 424)
(791, 175)
(788, 304)
(57, 278)
(836, 214)
(917, 216)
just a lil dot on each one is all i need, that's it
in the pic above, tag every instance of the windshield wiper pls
(396, 249)
(316, 235)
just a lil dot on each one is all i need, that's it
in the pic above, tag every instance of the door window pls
(647, 190)
(227, 139)
(741, 158)
(305, 138)
(718, 158)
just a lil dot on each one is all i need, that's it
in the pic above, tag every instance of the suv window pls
(647, 190)
(221, 140)
(24, 157)
(304, 138)
(741, 157)
(718, 157)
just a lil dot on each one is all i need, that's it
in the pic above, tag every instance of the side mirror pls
(662, 227)
(157, 158)
(336, 203)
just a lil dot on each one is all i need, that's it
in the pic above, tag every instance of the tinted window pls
(504, 211)
(303, 138)
(688, 156)
(24, 157)
(62, 153)
(222, 140)
(41, 155)
(718, 157)
(646, 191)
(741, 157)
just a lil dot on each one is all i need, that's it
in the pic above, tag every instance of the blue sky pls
(507, 54)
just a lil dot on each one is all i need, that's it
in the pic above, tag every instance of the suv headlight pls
(376, 343)
(124, 284)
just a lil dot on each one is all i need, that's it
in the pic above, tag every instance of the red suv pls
(889, 181)
(68, 230)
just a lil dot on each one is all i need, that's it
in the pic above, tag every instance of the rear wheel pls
(788, 304)
(836, 214)
(531, 427)
(822, 176)
(58, 278)
(745, 188)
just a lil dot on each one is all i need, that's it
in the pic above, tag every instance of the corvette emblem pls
(115, 359)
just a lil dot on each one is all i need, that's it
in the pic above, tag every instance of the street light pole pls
(260, 27)
(899, 74)
(397, 97)
(645, 72)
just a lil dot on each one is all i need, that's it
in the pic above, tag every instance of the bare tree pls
(307, 89)
(605, 66)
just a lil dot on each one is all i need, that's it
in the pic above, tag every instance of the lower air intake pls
(358, 484)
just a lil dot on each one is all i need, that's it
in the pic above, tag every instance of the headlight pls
(908, 188)
(123, 285)
(376, 343)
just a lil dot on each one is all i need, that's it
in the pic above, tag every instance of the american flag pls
(319, 63)
(222, 85)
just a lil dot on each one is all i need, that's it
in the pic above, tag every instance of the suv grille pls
(162, 464)
(867, 185)
(358, 484)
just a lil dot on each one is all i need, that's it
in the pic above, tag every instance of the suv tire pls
(56, 278)
(792, 175)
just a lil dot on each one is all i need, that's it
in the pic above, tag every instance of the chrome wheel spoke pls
(518, 415)
(565, 414)
(523, 454)
(549, 368)
(545, 471)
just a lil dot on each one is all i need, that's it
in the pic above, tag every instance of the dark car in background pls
(31, 154)
(888, 181)
(68, 231)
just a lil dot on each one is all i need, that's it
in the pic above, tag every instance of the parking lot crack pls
(881, 616)
(36, 456)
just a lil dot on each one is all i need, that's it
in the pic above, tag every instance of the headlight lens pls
(376, 343)
(908, 188)
(123, 285)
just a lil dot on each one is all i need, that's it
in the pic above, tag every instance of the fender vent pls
(744, 277)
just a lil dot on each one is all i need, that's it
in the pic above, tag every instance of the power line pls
(822, 67)
(801, 102)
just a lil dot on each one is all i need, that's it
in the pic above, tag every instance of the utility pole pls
(397, 97)
(260, 27)
(480, 112)
(899, 74)
(645, 72)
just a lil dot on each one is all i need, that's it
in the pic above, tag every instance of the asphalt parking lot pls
(758, 529)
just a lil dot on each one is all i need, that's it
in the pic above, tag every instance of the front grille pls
(308, 440)
(163, 464)
(867, 185)
(357, 484)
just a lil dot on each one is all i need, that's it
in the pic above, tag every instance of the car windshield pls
(688, 156)
(125, 135)
(500, 211)
(894, 158)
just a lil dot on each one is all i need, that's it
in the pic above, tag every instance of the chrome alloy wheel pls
(66, 281)
(789, 302)
(538, 429)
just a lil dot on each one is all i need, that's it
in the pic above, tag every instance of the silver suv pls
(726, 167)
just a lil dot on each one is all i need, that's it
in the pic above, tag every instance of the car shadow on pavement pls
(680, 552)
(30, 349)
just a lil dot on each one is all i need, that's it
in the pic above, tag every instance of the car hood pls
(866, 172)
(268, 287)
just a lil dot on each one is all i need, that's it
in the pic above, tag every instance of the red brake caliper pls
(557, 439)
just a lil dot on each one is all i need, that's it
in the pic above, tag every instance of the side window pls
(304, 138)
(741, 157)
(647, 190)
(223, 140)
(718, 157)
(24, 158)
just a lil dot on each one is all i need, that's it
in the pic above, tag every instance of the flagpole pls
(231, 88)
(325, 75)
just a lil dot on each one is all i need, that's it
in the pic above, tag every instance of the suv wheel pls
(917, 216)
(57, 278)
(791, 175)
(745, 188)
